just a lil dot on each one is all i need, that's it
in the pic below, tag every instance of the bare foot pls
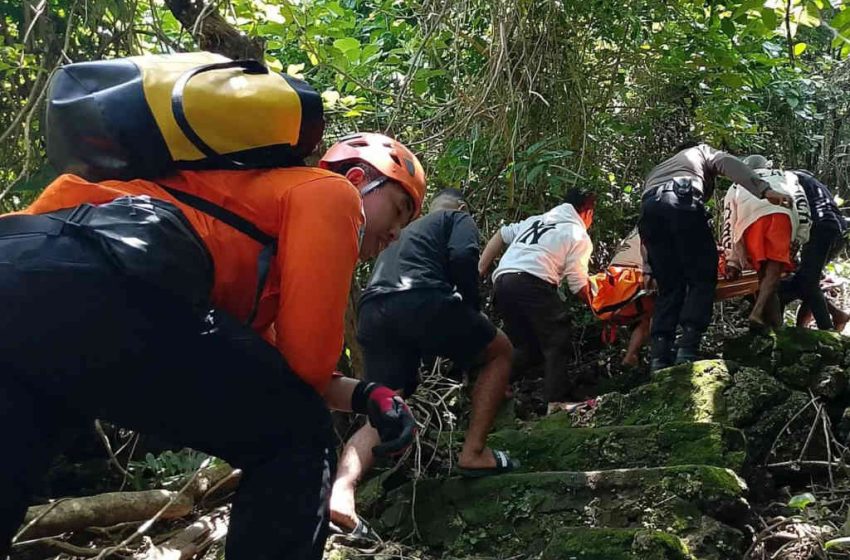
(632, 360)
(757, 325)
(343, 512)
(840, 320)
(481, 460)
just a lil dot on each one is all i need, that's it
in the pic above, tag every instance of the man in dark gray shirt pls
(825, 241)
(679, 246)
(422, 300)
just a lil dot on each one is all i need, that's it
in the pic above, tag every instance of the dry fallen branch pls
(192, 540)
(104, 510)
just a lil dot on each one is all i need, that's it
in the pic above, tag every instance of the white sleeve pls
(509, 232)
(730, 218)
(801, 212)
(577, 263)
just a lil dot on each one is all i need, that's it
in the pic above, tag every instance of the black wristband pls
(360, 396)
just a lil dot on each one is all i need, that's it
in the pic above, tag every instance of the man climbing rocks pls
(422, 300)
(105, 289)
(766, 235)
(541, 252)
(827, 237)
(681, 252)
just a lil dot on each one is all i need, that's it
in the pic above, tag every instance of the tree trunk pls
(212, 32)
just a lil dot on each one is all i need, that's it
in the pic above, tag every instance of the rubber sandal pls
(589, 404)
(361, 535)
(504, 464)
(571, 407)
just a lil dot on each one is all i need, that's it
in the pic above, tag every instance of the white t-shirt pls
(553, 246)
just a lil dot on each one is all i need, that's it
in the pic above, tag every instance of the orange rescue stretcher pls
(618, 297)
(617, 294)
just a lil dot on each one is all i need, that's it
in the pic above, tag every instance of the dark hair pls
(452, 193)
(580, 198)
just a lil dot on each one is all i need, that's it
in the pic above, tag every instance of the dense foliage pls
(512, 101)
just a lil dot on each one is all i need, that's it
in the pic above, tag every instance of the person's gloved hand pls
(388, 413)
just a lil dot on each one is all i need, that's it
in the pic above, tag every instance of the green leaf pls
(336, 9)
(810, 17)
(802, 501)
(746, 7)
(347, 44)
(841, 20)
(295, 70)
(840, 542)
(728, 27)
(731, 79)
(799, 49)
(768, 16)
(330, 98)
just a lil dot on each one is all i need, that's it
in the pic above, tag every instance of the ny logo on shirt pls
(533, 234)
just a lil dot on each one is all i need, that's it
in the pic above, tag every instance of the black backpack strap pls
(179, 112)
(237, 222)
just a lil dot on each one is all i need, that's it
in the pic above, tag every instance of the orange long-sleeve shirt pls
(316, 216)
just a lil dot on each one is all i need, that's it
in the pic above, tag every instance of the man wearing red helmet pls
(127, 271)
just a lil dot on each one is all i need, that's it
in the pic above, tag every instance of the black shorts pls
(397, 330)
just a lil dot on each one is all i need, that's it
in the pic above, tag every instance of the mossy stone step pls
(520, 513)
(551, 445)
(715, 391)
(581, 543)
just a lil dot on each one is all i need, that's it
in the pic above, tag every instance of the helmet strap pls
(373, 185)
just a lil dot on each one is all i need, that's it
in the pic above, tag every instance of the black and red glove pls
(388, 413)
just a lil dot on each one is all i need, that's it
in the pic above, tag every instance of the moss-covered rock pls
(615, 544)
(686, 393)
(521, 512)
(719, 392)
(781, 432)
(751, 394)
(551, 445)
(803, 359)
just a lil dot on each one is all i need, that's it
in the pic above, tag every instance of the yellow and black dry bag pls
(143, 117)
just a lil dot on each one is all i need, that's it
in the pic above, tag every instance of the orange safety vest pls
(315, 216)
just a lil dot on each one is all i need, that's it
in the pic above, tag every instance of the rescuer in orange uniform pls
(106, 290)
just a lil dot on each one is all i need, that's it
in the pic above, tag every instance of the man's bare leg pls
(356, 460)
(769, 276)
(637, 340)
(487, 397)
(840, 318)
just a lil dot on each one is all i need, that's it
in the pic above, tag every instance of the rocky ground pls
(668, 469)
(739, 457)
